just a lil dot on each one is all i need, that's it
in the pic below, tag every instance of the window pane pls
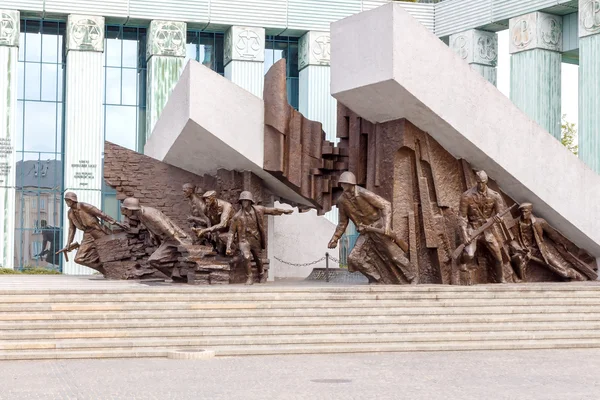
(50, 48)
(21, 46)
(50, 82)
(121, 126)
(20, 80)
(40, 127)
(129, 86)
(113, 52)
(130, 53)
(33, 47)
(32, 81)
(18, 140)
(113, 86)
(190, 52)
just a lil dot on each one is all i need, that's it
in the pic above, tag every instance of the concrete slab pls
(210, 123)
(385, 65)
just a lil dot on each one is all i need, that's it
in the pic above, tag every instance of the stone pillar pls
(244, 58)
(165, 53)
(589, 83)
(480, 50)
(535, 68)
(9, 54)
(84, 135)
(316, 102)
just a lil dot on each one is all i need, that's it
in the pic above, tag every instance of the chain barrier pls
(335, 260)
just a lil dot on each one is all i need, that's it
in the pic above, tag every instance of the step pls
(294, 296)
(336, 320)
(267, 332)
(329, 339)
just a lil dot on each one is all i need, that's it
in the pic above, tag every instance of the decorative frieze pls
(166, 38)
(244, 44)
(476, 47)
(9, 28)
(535, 31)
(589, 17)
(85, 33)
(314, 48)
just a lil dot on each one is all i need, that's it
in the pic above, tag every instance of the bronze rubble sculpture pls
(376, 254)
(478, 206)
(248, 232)
(536, 242)
(86, 218)
(163, 232)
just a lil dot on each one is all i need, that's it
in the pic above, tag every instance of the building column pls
(480, 50)
(315, 100)
(589, 83)
(165, 53)
(535, 68)
(9, 54)
(244, 58)
(84, 119)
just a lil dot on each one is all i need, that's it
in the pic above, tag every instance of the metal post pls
(326, 267)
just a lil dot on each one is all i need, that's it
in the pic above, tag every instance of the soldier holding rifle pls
(481, 207)
(86, 218)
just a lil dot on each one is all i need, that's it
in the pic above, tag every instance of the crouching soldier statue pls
(86, 218)
(248, 232)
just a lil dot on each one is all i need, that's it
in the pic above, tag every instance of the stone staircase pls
(136, 320)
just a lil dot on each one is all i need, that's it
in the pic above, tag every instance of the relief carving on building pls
(166, 38)
(535, 31)
(9, 28)
(85, 33)
(589, 17)
(476, 47)
(244, 44)
(314, 49)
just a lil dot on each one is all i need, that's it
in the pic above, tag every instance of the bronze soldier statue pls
(248, 231)
(164, 232)
(197, 217)
(86, 218)
(376, 254)
(530, 244)
(219, 212)
(478, 205)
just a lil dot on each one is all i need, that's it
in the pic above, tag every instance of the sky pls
(569, 79)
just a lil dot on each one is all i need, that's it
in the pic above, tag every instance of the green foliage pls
(29, 270)
(569, 135)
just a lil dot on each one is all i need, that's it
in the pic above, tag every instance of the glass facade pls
(124, 96)
(206, 48)
(278, 47)
(39, 144)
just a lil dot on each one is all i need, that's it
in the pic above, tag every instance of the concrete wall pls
(299, 238)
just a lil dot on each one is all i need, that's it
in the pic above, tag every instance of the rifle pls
(121, 225)
(401, 243)
(66, 251)
(480, 230)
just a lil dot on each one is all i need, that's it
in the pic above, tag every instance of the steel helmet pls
(131, 203)
(246, 195)
(70, 196)
(347, 177)
(189, 186)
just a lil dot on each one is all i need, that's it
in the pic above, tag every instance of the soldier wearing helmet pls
(375, 255)
(248, 232)
(164, 232)
(219, 213)
(86, 218)
(197, 217)
(477, 205)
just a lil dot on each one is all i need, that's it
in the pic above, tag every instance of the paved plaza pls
(522, 375)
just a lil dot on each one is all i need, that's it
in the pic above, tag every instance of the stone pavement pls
(522, 375)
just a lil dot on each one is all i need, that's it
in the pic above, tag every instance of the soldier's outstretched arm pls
(341, 227)
(99, 214)
(462, 219)
(275, 211)
(232, 234)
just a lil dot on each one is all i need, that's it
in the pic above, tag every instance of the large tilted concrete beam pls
(385, 65)
(210, 123)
